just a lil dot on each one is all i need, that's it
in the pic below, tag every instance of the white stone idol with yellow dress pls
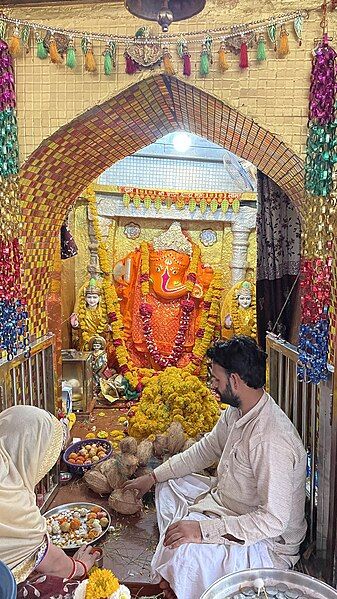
(238, 314)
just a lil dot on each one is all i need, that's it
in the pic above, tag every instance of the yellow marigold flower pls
(101, 584)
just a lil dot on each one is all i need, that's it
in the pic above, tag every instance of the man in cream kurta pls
(252, 513)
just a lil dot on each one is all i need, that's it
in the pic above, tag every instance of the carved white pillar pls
(242, 224)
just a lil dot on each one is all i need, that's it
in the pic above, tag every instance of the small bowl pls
(75, 448)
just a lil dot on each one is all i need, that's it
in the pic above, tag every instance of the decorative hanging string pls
(316, 267)
(220, 33)
(14, 335)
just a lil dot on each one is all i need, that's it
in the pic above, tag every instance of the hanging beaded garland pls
(14, 335)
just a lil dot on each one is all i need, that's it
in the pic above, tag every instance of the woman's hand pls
(141, 485)
(87, 555)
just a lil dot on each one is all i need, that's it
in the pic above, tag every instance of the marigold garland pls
(144, 269)
(174, 395)
(210, 309)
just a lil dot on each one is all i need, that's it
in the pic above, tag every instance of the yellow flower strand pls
(145, 268)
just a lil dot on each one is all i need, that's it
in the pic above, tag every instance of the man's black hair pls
(241, 355)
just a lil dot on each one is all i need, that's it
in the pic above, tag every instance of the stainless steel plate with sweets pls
(74, 524)
(267, 583)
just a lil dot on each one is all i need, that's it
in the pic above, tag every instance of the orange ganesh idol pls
(161, 286)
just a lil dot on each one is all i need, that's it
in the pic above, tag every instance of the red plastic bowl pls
(75, 448)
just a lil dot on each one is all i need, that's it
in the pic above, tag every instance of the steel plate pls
(75, 507)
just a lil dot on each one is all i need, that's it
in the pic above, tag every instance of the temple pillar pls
(243, 223)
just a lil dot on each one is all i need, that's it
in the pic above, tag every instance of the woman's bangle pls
(85, 575)
(154, 477)
(73, 569)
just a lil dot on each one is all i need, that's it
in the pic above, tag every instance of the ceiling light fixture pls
(165, 12)
(181, 142)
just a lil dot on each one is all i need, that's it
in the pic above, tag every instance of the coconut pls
(142, 471)
(128, 445)
(160, 445)
(127, 464)
(103, 467)
(144, 452)
(97, 482)
(125, 501)
(114, 476)
(175, 438)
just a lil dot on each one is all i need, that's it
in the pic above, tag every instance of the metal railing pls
(30, 381)
(309, 408)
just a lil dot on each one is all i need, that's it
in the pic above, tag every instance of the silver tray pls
(310, 587)
(72, 506)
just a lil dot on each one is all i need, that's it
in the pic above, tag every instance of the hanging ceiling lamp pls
(165, 11)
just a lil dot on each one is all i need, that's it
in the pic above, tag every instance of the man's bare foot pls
(165, 587)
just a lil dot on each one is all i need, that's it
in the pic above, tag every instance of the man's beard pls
(229, 397)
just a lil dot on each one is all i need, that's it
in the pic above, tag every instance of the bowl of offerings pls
(83, 455)
(267, 583)
(72, 525)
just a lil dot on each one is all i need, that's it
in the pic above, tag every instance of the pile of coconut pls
(132, 461)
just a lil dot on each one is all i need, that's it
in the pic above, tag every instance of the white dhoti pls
(191, 568)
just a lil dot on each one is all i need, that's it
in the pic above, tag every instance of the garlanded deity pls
(89, 318)
(238, 314)
(97, 346)
(162, 287)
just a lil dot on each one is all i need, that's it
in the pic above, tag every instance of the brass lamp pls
(164, 11)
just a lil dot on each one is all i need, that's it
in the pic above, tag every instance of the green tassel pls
(261, 54)
(107, 63)
(25, 34)
(204, 64)
(3, 27)
(71, 57)
(41, 51)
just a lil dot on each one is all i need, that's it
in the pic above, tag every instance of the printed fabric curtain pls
(278, 261)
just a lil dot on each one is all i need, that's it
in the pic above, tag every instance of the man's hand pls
(185, 531)
(141, 485)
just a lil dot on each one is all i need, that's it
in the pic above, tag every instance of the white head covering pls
(30, 443)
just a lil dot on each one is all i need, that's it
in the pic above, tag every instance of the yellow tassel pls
(90, 62)
(283, 48)
(55, 57)
(223, 62)
(14, 45)
(167, 62)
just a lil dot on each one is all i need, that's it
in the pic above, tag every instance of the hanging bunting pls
(271, 31)
(261, 54)
(243, 55)
(167, 62)
(283, 47)
(71, 55)
(223, 62)
(145, 50)
(14, 335)
(316, 266)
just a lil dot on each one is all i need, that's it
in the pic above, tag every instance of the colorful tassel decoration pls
(71, 55)
(25, 35)
(271, 30)
(261, 54)
(131, 66)
(107, 63)
(14, 44)
(41, 50)
(167, 62)
(55, 57)
(204, 61)
(283, 47)
(223, 62)
(298, 28)
(244, 56)
(187, 64)
(90, 62)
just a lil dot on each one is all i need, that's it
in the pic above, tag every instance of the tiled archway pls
(65, 163)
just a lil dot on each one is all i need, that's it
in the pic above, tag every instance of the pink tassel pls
(243, 56)
(131, 66)
(187, 64)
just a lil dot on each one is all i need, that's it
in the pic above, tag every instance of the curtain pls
(278, 262)
(68, 245)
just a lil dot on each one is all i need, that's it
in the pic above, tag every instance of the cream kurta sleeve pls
(273, 468)
(201, 455)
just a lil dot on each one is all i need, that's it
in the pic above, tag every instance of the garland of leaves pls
(148, 198)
